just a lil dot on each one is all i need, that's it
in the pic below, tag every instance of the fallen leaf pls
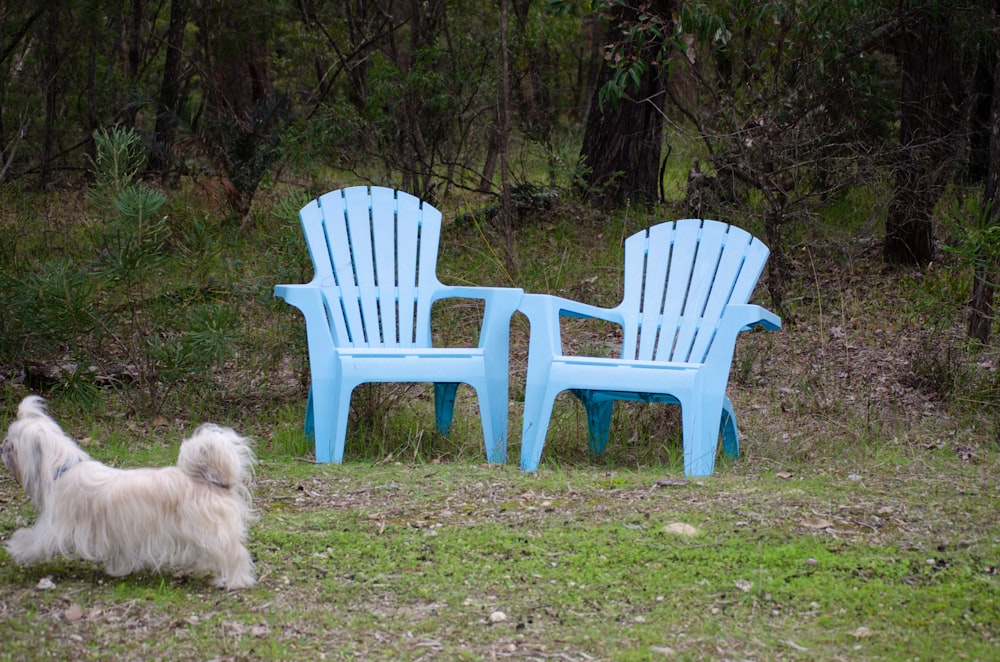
(681, 529)
(785, 474)
(45, 584)
(663, 650)
(816, 523)
(671, 482)
(861, 633)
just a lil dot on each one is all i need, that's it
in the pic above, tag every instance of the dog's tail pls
(218, 456)
(31, 406)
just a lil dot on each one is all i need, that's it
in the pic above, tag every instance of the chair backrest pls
(679, 277)
(375, 254)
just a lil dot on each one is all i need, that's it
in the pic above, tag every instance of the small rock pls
(73, 613)
(45, 584)
(498, 617)
(680, 528)
(816, 523)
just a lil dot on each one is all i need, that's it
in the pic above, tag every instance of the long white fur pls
(192, 517)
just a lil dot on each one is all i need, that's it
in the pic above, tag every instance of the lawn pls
(462, 560)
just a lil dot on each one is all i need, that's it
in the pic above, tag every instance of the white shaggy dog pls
(192, 517)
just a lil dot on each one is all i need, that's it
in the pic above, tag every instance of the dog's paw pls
(235, 582)
(24, 547)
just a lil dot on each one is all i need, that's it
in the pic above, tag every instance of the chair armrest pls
(552, 305)
(308, 298)
(735, 319)
(543, 312)
(761, 317)
(743, 317)
(500, 305)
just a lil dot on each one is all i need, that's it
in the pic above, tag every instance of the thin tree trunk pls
(165, 129)
(51, 90)
(506, 221)
(983, 309)
(492, 154)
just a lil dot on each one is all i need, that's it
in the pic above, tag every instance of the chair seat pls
(601, 362)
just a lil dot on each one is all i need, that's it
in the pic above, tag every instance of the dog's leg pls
(119, 567)
(30, 546)
(234, 567)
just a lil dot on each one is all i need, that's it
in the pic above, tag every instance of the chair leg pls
(701, 439)
(331, 409)
(309, 428)
(538, 403)
(728, 430)
(599, 413)
(444, 405)
(493, 412)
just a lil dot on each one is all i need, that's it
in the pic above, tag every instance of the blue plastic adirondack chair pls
(368, 315)
(687, 284)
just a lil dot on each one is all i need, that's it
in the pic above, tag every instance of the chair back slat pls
(384, 233)
(426, 251)
(408, 238)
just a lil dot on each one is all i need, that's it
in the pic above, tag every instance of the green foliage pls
(116, 164)
(102, 314)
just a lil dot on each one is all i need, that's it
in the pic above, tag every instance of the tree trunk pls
(506, 219)
(51, 86)
(983, 310)
(622, 142)
(930, 122)
(165, 130)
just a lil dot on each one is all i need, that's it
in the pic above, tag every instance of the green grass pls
(404, 560)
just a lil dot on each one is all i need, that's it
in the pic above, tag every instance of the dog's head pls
(36, 451)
